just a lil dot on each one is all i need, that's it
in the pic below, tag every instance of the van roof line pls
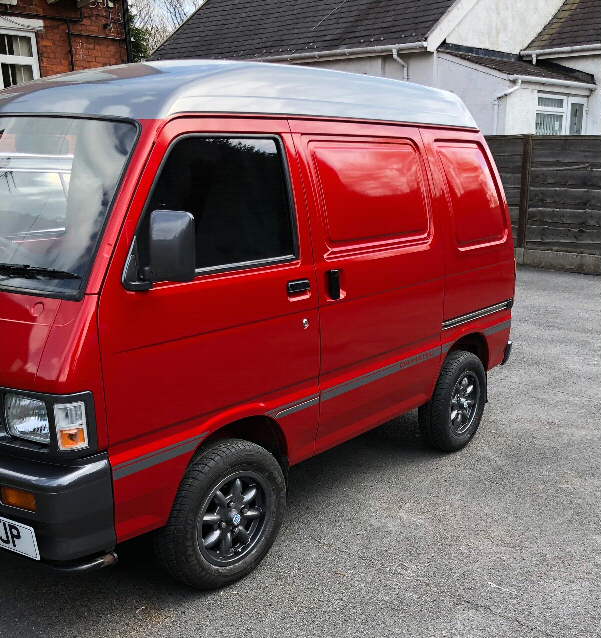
(156, 90)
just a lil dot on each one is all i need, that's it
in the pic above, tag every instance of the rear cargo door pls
(480, 257)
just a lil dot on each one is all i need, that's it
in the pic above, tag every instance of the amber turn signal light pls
(72, 439)
(71, 425)
(18, 498)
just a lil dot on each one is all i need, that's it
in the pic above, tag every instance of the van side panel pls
(480, 260)
(373, 223)
(184, 359)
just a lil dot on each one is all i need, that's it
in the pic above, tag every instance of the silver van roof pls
(153, 90)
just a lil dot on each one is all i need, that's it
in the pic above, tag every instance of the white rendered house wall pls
(504, 25)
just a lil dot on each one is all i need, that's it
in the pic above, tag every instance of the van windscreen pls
(58, 177)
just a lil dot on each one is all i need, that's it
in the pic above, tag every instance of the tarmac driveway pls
(385, 538)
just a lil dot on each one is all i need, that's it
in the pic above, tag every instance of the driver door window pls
(236, 189)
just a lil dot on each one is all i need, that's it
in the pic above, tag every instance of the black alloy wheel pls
(464, 402)
(232, 519)
(226, 515)
(452, 417)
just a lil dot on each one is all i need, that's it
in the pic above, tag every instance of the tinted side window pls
(477, 209)
(236, 190)
(371, 191)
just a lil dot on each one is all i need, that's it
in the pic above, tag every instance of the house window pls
(18, 58)
(577, 118)
(560, 114)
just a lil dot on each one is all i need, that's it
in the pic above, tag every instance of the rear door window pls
(237, 191)
(477, 209)
(372, 191)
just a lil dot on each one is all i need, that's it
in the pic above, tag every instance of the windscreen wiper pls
(26, 271)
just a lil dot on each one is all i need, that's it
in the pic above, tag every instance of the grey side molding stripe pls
(348, 386)
(155, 458)
(343, 388)
(297, 406)
(498, 328)
(488, 331)
(189, 445)
(477, 314)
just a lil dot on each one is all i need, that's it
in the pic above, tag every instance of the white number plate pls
(18, 538)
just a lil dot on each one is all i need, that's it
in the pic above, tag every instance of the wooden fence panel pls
(553, 186)
(508, 151)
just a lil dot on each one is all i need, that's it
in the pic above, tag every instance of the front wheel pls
(450, 420)
(226, 515)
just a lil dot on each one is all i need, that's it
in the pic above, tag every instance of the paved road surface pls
(386, 538)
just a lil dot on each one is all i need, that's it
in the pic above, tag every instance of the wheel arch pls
(475, 343)
(259, 429)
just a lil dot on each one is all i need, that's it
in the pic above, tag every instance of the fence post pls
(525, 191)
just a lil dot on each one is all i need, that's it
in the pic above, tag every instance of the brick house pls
(46, 37)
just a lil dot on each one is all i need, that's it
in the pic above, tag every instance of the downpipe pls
(497, 102)
(404, 65)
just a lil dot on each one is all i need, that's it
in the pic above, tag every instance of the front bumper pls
(74, 517)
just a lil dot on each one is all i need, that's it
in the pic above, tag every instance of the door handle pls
(298, 285)
(334, 283)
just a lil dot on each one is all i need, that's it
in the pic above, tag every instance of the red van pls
(211, 271)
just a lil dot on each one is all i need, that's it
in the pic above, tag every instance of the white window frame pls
(32, 61)
(565, 111)
(577, 99)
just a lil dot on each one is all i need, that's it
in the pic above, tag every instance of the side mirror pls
(171, 246)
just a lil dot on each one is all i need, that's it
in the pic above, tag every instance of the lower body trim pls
(477, 314)
(355, 383)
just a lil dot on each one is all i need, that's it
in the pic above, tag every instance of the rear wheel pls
(450, 420)
(226, 516)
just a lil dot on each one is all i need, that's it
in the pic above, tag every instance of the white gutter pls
(404, 65)
(537, 80)
(337, 54)
(497, 102)
(559, 51)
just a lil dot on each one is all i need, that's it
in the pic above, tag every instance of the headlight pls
(64, 423)
(71, 425)
(26, 418)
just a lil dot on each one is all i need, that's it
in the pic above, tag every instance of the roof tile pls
(264, 28)
(512, 65)
(577, 23)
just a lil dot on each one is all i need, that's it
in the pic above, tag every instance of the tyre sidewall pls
(440, 411)
(206, 471)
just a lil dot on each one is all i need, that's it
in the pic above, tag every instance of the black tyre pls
(226, 515)
(450, 420)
